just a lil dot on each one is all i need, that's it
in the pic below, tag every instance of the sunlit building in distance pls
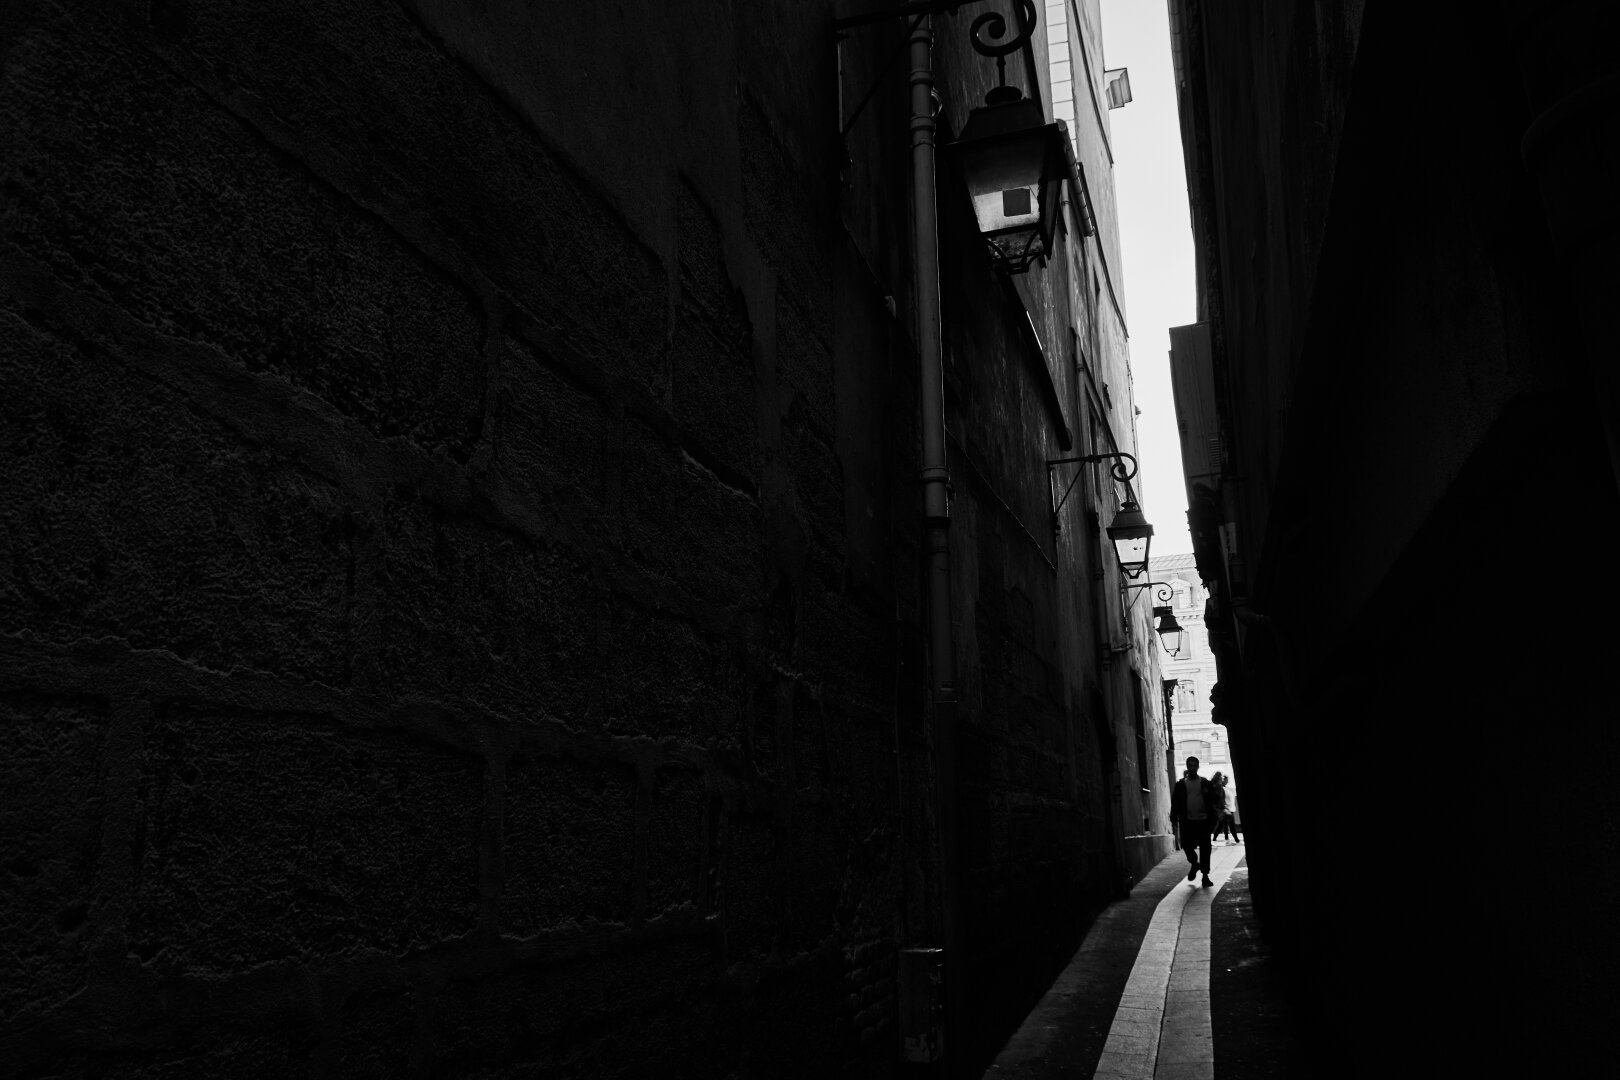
(1188, 675)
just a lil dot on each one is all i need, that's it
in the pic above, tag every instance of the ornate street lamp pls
(1171, 634)
(1131, 535)
(1130, 532)
(1013, 165)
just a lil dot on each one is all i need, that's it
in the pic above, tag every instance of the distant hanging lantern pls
(1171, 633)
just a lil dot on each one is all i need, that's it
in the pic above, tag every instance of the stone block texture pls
(459, 598)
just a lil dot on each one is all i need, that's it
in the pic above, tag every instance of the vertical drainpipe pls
(936, 514)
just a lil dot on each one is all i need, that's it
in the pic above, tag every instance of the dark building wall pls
(1407, 406)
(461, 580)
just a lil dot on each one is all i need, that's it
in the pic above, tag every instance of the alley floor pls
(1172, 983)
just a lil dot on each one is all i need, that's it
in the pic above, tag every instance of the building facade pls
(465, 606)
(1188, 676)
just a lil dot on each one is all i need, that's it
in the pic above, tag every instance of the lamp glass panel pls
(1172, 641)
(1132, 551)
(1008, 208)
(1003, 176)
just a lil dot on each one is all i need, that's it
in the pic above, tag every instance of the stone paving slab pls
(1135, 1066)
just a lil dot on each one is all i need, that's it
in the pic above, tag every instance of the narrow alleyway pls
(1172, 983)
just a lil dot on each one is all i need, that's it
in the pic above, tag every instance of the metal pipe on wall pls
(935, 478)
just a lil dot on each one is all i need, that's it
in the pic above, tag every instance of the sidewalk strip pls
(1161, 1029)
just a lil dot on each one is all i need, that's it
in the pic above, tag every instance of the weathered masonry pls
(460, 609)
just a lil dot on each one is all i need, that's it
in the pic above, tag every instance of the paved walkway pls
(1150, 1024)
(1161, 1029)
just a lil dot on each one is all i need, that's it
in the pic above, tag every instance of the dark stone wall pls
(460, 584)
(1409, 412)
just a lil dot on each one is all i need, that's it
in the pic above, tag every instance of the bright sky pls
(1151, 188)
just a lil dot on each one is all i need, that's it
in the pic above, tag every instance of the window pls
(1186, 695)
(1198, 748)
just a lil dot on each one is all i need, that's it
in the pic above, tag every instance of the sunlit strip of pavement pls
(1161, 1028)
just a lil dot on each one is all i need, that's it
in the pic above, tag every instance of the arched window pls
(1197, 748)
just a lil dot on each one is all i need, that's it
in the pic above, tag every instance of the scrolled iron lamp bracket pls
(988, 31)
(992, 24)
(1164, 594)
(1122, 469)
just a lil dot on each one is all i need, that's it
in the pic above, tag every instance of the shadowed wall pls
(461, 543)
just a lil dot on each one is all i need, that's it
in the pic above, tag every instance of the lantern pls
(1131, 535)
(1171, 633)
(1014, 167)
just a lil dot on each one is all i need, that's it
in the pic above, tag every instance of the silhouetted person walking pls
(1194, 806)
(1226, 822)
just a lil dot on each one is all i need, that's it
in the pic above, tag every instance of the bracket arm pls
(1122, 470)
